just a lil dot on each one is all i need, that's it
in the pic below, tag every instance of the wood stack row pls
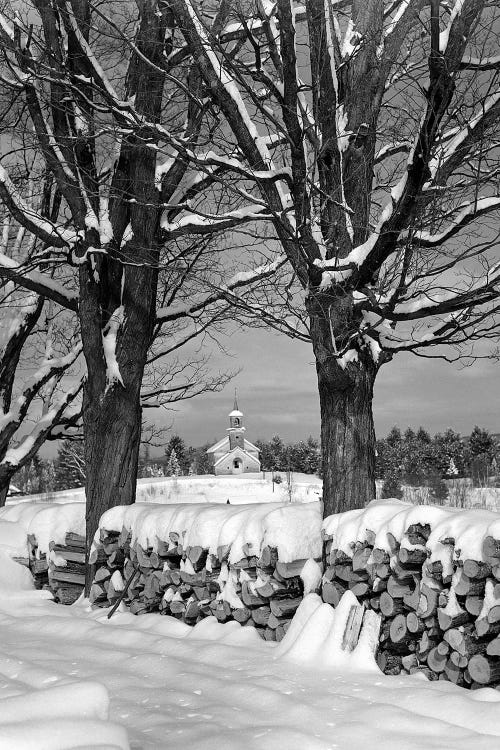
(66, 568)
(190, 584)
(441, 618)
(62, 570)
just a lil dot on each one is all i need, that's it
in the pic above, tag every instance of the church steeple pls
(236, 429)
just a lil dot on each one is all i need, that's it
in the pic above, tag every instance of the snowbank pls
(59, 718)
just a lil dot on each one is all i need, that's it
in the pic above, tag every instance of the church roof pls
(225, 441)
(236, 413)
(237, 451)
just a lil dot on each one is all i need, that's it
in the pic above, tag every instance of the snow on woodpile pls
(50, 540)
(249, 563)
(433, 573)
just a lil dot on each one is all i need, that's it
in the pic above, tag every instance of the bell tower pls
(236, 430)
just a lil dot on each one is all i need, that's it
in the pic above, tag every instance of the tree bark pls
(346, 397)
(112, 410)
(4, 488)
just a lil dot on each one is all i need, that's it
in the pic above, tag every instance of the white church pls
(234, 454)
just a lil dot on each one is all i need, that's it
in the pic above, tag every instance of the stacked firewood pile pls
(62, 569)
(440, 613)
(190, 583)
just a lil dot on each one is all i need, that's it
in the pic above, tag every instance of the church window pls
(236, 422)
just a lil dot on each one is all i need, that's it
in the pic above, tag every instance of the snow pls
(47, 522)
(468, 528)
(238, 489)
(71, 678)
(109, 335)
(293, 529)
(311, 575)
(219, 687)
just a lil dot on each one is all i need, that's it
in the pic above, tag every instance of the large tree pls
(366, 133)
(106, 127)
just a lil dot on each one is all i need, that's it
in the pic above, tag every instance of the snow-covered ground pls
(238, 489)
(72, 678)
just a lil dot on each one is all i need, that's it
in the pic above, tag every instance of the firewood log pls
(447, 620)
(360, 559)
(290, 569)
(428, 601)
(409, 661)
(390, 606)
(59, 574)
(494, 614)
(332, 592)
(260, 615)
(485, 628)
(412, 600)
(242, 614)
(285, 607)
(459, 660)
(74, 554)
(197, 556)
(268, 558)
(476, 569)
(414, 624)
(250, 599)
(67, 594)
(420, 530)
(398, 631)
(75, 540)
(491, 551)
(484, 669)
(388, 663)
(398, 589)
(493, 647)
(412, 558)
(380, 556)
(360, 589)
(474, 605)
(97, 594)
(469, 586)
(454, 673)
(425, 644)
(437, 660)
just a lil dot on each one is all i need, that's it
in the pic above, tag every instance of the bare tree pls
(110, 131)
(365, 135)
(39, 378)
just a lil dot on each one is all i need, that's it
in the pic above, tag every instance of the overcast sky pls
(277, 392)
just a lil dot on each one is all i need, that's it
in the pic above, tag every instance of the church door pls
(237, 466)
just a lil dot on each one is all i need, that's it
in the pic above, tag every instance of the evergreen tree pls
(173, 468)
(481, 443)
(177, 444)
(392, 485)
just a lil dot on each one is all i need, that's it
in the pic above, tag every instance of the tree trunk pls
(112, 406)
(4, 488)
(346, 396)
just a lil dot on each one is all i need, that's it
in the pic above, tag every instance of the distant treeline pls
(410, 457)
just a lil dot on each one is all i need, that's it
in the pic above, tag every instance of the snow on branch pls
(30, 444)
(30, 219)
(197, 223)
(466, 214)
(38, 282)
(239, 280)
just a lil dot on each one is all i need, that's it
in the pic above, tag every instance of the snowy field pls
(71, 678)
(238, 489)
